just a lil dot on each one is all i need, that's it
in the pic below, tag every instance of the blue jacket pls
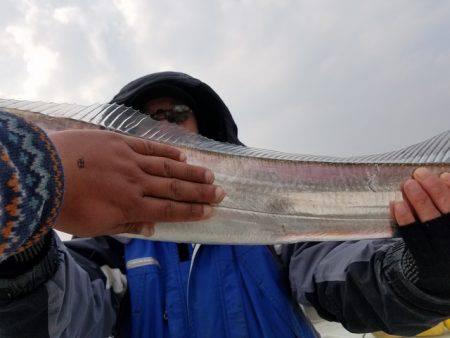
(221, 291)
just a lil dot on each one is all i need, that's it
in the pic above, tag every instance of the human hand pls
(425, 197)
(424, 220)
(116, 184)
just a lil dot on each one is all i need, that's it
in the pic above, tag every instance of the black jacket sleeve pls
(365, 285)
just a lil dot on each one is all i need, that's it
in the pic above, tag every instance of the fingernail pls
(147, 231)
(219, 194)
(209, 176)
(207, 211)
(183, 157)
(400, 208)
(422, 173)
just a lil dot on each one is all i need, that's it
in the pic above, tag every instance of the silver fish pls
(272, 197)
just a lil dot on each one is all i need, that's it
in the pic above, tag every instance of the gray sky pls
(320, 77)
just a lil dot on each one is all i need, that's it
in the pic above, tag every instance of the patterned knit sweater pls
(31, 179)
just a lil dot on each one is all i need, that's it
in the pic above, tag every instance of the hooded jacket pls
(213, 117)
(84, 288)
(210, 290)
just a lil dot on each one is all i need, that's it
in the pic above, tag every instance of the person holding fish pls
(102, 285)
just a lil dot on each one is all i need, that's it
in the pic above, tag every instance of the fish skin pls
(272, 197)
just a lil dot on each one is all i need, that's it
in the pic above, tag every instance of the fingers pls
(147, 148)
(420, 201)
(436, 189)
(161, 210)
(178, 190)
(164, 167)
(425, 197)
(402, 213)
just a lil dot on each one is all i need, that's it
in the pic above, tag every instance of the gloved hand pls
(424, 220)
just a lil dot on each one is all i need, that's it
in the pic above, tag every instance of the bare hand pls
(425, 197)
(115, 184)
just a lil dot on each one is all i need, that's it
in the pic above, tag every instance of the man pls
(154, 289)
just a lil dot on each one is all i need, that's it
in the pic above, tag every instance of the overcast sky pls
(320, 77)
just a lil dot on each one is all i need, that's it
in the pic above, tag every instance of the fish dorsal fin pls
(433, 150)
(132, 122)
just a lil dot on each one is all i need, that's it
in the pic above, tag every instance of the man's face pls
(157, 107)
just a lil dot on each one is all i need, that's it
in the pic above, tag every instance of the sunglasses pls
(176, 114)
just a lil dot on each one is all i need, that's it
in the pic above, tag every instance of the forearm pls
(51, 303)
(31, 178)
(365, 285)
(427, 264)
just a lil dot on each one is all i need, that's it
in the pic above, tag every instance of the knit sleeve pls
(31, 185)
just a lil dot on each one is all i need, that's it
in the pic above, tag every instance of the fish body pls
(272, 197)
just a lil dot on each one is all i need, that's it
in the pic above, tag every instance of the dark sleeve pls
(83, 296)
(365, 285)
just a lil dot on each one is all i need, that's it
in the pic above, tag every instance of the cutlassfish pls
(272, 197)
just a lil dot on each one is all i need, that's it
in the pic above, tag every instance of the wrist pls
(429, 252)
(37, 269)
(25, 260)
(32, 185)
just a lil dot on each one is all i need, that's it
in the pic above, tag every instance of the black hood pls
(213, 117)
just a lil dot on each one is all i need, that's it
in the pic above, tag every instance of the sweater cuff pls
(31, 177)
(43, 266)
(24, 261)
